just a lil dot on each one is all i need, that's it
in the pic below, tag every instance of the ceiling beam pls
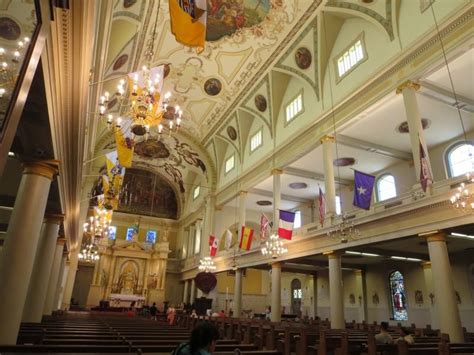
(283, 196)
(428, 89)
(374, 148)
(313, 176)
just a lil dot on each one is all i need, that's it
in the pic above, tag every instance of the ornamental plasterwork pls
(249, 103)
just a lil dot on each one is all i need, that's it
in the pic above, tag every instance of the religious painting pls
(212, 87)
(152, 149)
(352, 299)
(146, 193)
(151, 237)
(120, 62)
(128, 279)
(9, 29)
(398, 296)
(166, 70)
(375, 298)
(225, 17)
(261, 103)
(128, 3)
(418, 297)
(232, 133)
(303, 58)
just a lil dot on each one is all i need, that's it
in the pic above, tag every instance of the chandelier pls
(99, 223)
(89, 252)
(274, 247)
(8, 71)
(206, 264)
(463, 198)
(345, 230)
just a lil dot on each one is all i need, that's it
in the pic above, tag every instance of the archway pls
(296, 296)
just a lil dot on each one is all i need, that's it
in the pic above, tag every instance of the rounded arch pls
(385, 187)
(296, 296)
(454, 162)
(398, 295)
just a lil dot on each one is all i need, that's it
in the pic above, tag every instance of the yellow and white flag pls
(125, 147)
(188, 22)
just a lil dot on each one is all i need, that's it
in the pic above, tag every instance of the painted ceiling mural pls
(241, 36)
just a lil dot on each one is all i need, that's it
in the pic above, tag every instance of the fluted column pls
(238, 293)
(408, 90)
(192, 295)
(315, 295)
(49, 305)
(336, 291)
(186, 292)
(329, 182)
(21, 243)
(242, 211)
(446, 305)
(35, 299)
(276, 173)
(63, 284)
(276, 292)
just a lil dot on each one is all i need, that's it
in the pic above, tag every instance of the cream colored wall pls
(173, 289)
(82, 284)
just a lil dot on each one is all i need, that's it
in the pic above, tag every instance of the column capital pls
(333, 254)
(276, 265)
(407, 84)
(358, 272)
(51, 218)
(327, 138)
(277, 171)
(435, 236)
(426, 264)
(219, 207)
(243, 193)
(45, 168)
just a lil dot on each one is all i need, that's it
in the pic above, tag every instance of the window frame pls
(301, 221)
(155, 236)
(378, 180)
(126, 235)
(198, 189)
(225, 164)
(197, 239)
(390, 295)
(338, 205)
(449, 151)
(290, 102)
(114, 234)
(259, 131)
(361, 38)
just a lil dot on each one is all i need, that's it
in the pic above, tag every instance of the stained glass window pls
(112, 232)
(398, 296)
(129, 235)
(151, 237)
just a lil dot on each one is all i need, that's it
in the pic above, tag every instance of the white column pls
(446, 305)
(35, 299)
(208, 224)
(53, 278)
(63, 284)
(329, 182)
(192, 295)
(428, 276)
(59, 285)
(199, 238)
(276, 292)
(20, 246)
(360, 294)
(186, 292)
(238, 294)
(276, 198)
(315, 295)
(336, 291)
(242, 212)
(408, 90)
(191, 241)
(71, 277)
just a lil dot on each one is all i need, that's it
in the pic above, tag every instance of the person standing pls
(153, 311)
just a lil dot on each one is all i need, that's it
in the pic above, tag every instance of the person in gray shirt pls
(383, 337)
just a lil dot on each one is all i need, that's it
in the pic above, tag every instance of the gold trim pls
(438, 237)
(45, 168)
(50, 218)
(61, 241)
(333, 254)
(407, 84)
(277, 171)
(243, 193)
(327, 139)
(358, 272)
(276, 264)
(426, 264)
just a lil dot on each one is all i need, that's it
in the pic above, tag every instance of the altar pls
(120, 300)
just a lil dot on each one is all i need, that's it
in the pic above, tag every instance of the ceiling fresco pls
(241, 36)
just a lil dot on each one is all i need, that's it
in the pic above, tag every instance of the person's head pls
(154, 303)
(204, 337)
(193, 311)
(384, 326)
(405, 331)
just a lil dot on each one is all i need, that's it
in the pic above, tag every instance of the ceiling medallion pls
(120, 62)
(346, 161)
(261, 103)
(403, 127)
(298, 185)
(212, 86)
(303, 58)
(264, 203)
(232, 133)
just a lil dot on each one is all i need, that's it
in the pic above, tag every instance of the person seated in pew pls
(406, 334)
(383, 337)
(203, 341)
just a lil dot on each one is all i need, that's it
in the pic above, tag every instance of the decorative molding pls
(408, 84)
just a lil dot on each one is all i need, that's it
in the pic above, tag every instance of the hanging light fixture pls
(98, 225)
(206, 264)
(274, 247)
(89, 251)
(9, 65)
(463, 198)
(345, 230)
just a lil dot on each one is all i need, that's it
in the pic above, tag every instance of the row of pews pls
(316, 337)
(90, 333)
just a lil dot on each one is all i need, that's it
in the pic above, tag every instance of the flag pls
(264, 223)
(188, 22)
(213, 245)
(112, 181)
(363, 186)
(425, 175)
(285, 224)
(125, 147)
(228, 239)
(322, 206)
(246, 238)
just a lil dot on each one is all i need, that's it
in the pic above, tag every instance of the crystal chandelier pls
(206, 264)
(345, 230)
(274, 247)
(89, 252)
(9, 71)
(99, 223)
(463, 198)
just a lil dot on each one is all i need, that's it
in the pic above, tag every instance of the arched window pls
(460, 159)
(398, 296)
(296, 296)
(386, 187)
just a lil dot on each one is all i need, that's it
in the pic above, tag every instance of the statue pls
(127, 283)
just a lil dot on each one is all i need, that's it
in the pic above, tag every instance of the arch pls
(296, 297)
(385, 187)
(398, 298)
(459, 158)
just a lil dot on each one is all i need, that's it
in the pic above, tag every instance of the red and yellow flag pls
(188, 22)
(246, 238)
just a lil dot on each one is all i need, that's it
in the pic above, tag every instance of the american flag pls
(322, 206)
(264, 224)
(425, 175)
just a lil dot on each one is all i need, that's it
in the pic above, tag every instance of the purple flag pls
(363, 186)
